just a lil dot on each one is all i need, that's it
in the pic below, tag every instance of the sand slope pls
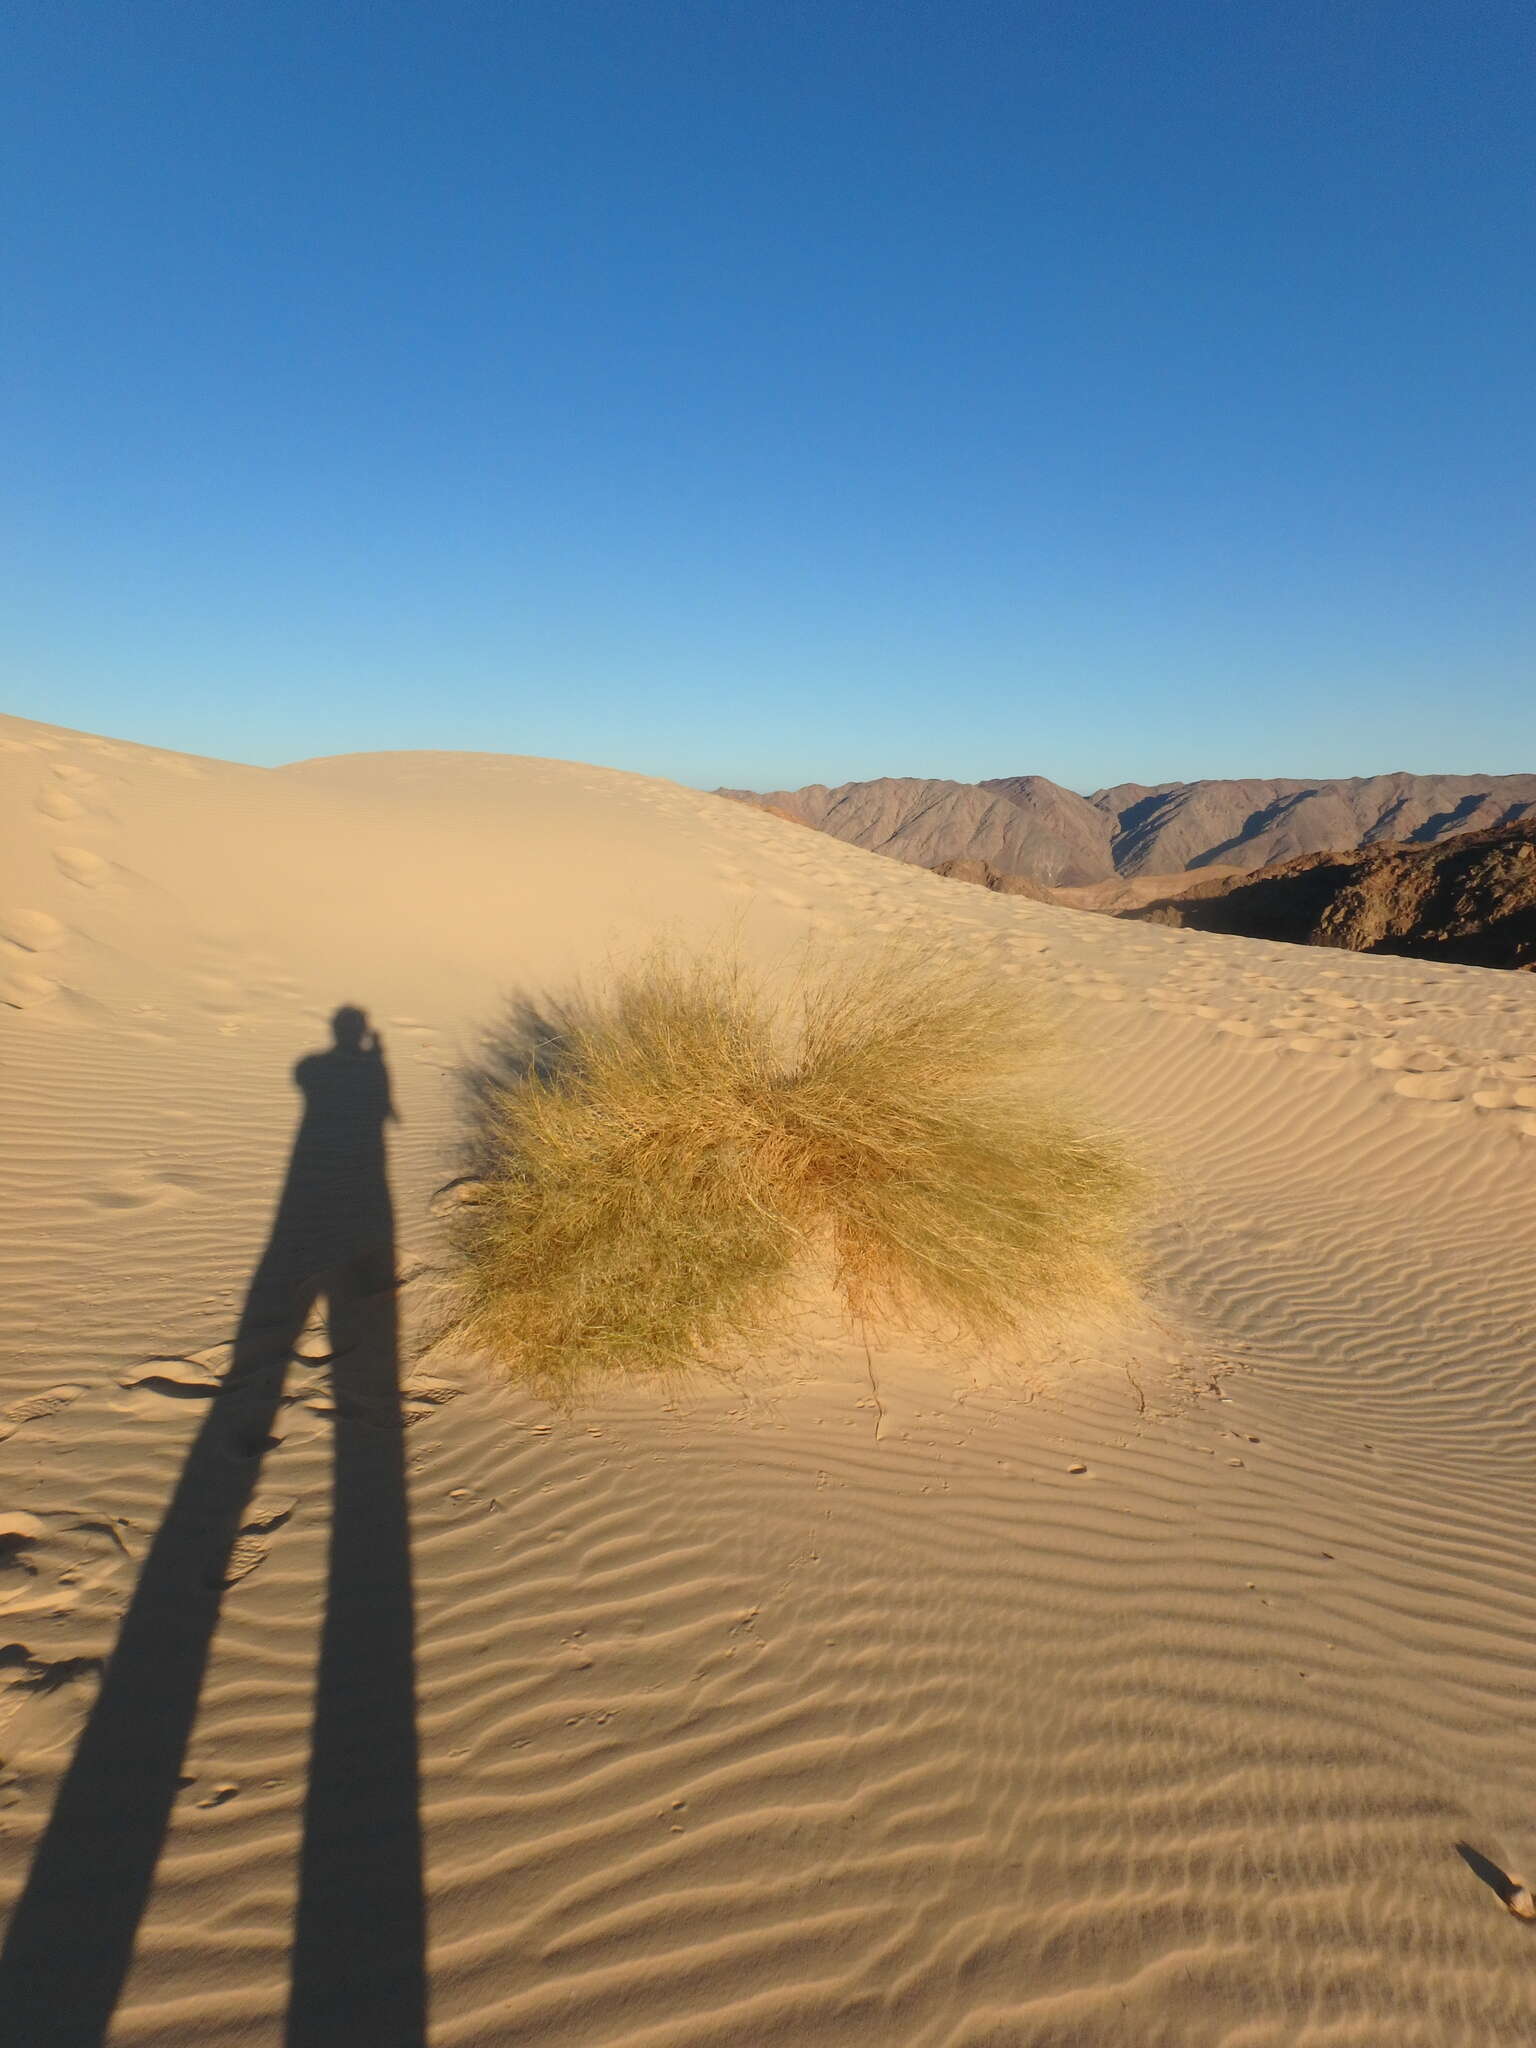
(777, 1715)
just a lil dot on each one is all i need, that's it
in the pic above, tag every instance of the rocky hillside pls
(1028, 828)
(1471, 899)
(985, 877)
(1026, 825)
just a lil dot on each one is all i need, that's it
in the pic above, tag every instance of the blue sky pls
(765, 391)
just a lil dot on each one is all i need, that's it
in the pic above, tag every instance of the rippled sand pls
(1135, 1689)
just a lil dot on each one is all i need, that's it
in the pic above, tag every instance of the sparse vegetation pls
(662, 1162)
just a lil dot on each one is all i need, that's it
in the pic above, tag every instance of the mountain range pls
(1027, 825)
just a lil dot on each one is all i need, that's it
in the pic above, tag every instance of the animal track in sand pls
(35, 1407)
(82, 866)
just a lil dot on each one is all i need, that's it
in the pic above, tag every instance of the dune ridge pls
(1136, 1687)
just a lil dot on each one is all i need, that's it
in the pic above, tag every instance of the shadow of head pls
(349, 1028)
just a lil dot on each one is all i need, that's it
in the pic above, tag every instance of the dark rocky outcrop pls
(1470, 899)
(986, 877)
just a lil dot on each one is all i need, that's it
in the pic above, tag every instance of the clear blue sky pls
(764, 391)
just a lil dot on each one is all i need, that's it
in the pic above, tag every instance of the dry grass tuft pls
(660, 1169)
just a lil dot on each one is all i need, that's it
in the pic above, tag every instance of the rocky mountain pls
(1255, 824)
(1027, 825)
(1470, 899)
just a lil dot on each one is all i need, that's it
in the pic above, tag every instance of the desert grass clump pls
(663, 1161)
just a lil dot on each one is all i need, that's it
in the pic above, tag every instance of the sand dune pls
(1136, 1689)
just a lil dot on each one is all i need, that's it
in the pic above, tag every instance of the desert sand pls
(1136, 1687)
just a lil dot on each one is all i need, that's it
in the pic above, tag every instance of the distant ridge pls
(1028, 825)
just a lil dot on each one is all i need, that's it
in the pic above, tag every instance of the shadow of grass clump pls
(658, 1164)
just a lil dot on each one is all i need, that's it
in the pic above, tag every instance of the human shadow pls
(358, 1955)
(1499, 1882)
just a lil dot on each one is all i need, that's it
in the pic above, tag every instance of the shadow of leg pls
(72, 1933)
(359, 1969)
(359, 1972)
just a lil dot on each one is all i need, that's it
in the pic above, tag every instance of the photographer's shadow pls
(358, 1960)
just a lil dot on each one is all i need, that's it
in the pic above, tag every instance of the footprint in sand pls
(19, 1532)
(420, 1397)
(88, 869)
(267, 1512)
(55, 1694)
(34, 931)
(221, 997)
(248, 1551)
(1447, 1086)
(1492, 1098)
(35, 1407)
(59, 805)
(456, 1194)
(219, 1796)
(1411, 1059)
(177, 1379)
(131, 1189)
(23, 991)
